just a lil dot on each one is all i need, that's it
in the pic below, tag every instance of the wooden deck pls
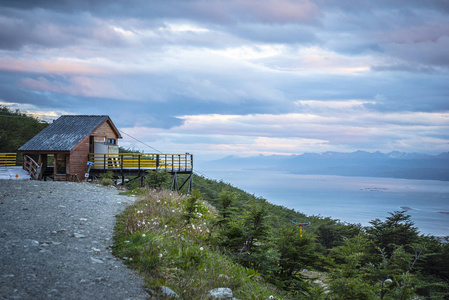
(135, 162)
(139, 164)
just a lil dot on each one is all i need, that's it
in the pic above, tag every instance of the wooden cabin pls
(69, 140)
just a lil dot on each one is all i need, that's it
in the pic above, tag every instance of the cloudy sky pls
(236, 77)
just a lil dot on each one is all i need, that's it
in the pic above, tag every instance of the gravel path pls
(55, 242)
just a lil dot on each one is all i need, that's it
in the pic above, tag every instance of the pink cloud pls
(52, 67)
(273, 11)
(281, 11)
(76, 86)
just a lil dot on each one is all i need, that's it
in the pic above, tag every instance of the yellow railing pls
(7, 159)
(142, 161)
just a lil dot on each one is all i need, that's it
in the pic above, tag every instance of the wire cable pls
(140, 141)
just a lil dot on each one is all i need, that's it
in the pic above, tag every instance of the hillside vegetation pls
(220, 236)
(16, 129)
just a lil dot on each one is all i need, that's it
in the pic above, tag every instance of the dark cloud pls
(283, 34)
(215, 11)
(367, 5)
(405, 68)
(54, 30)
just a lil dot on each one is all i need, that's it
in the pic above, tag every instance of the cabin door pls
(61, 163)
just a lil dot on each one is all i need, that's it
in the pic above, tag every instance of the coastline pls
(347, 198)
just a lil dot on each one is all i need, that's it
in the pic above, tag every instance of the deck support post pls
(174, 184)
(189, 190)
(189, 186)
(121, 168)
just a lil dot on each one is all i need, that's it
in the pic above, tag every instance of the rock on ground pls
(55, 242)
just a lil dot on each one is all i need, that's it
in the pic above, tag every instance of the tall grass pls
(165, 236)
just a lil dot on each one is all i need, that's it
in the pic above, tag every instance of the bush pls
(106, 181)
(156, 179)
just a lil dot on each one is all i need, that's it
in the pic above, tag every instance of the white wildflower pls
(143, 235)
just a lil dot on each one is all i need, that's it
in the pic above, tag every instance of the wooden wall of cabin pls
(77, 161)
(104, 132)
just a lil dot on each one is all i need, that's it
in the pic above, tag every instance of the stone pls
(221, 293)
(96, 260)
(167, 292)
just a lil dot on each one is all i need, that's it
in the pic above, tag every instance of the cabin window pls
(112, 141)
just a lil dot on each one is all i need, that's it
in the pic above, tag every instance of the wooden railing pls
(142, 161)
(7, 159)
(32, 167)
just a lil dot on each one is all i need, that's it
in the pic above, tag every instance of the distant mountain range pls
(360, 163)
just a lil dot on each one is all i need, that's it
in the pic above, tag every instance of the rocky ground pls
(55, 242)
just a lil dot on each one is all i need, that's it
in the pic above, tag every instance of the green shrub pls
(156, 179)
(106, 181)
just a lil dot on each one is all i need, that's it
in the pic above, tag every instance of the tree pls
(225, 200)
(16, 129)
(330, 233)
(155, 179)
(191, 205)
(396, 230)
(296, 252)
(391, 277)
(347, 279)
(255, 226)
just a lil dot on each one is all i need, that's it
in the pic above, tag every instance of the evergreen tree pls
(396, 230)
(225, 201)
(16, 129)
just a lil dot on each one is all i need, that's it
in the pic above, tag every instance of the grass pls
(167, 242)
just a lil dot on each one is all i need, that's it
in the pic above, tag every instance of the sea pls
(348, 199)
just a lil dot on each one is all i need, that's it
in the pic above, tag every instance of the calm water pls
(350, 199)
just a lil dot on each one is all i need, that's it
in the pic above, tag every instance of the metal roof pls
(64, 133)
